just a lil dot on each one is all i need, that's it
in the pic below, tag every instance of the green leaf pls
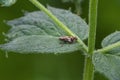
(111, 39)
(107, 64)
(37, 33)
(22, 30)
(41, 20)
(7, 2)
(39, 44)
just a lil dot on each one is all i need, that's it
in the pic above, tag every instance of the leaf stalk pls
(108, 48)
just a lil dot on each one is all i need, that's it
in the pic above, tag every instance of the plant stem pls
(89, 68)
(59, 23)
(108, 48)
(92, 24)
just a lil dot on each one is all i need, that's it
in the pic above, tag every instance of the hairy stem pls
(89, 68)
(59, 23)
(108, 48)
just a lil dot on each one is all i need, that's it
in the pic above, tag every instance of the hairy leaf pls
(107, 64)
(7, 2)
(110, 39)
(41, 20)
(37, 33)
(22, 30)
(39, 44)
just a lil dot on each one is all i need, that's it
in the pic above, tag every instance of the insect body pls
(68, 39)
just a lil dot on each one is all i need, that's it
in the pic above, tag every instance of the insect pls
(68, 39)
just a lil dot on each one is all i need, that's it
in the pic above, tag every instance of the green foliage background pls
(54, 67)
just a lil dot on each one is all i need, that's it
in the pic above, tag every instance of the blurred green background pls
(54, 67)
